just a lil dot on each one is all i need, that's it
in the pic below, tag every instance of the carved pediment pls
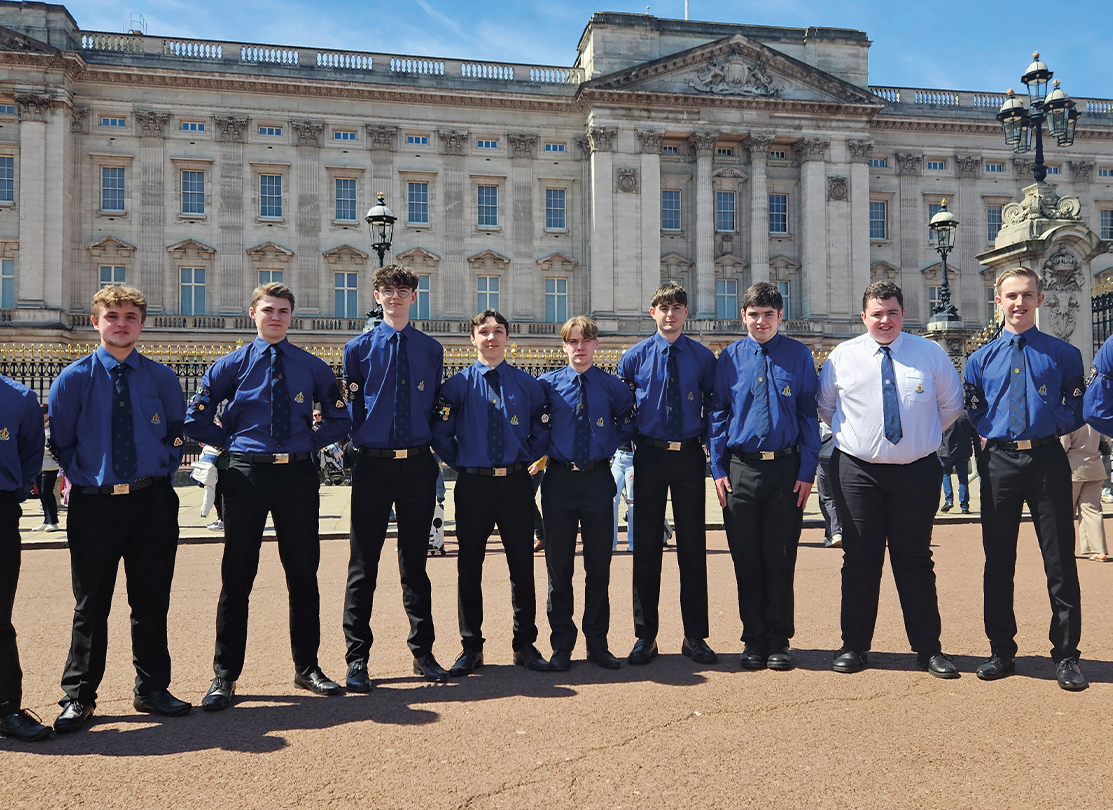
(191, 249)
(557, 261)
(735, 67)
(345, 254)
(728, 264)
(883, 271)
(12, 40)
(782, 268)
(489, 258)
(110, 246)
(269, 252)
(675, 260)
(730, 172)
(418, 255)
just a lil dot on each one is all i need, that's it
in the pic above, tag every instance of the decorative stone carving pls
(269, 252)
(1062, 283)
(966, 166)
(33, 106)
(1024, 167)
(726, 244)
(110, 246)
(650, 141)
(860, 151)
(601, 139)
(152, 124)
(583, 146)
(703, 143)
(626, 180)
(77, 119)
(758, 144)
(811, 149)
(908, 163)
(522, 146)
(345, 254)
(452, 142)
(1041, 202)
(231, 128)
(416, 256)
(382, 138)
(558, 261)
(734, 75)
(1081, 171)
(191, 249)
(836, 189)
(730, 173)
(307, 133)
(489, 259)
(883, 271)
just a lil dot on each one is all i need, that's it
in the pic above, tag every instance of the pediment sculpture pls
(734, 75)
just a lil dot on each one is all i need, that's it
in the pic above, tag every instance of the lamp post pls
(380, 225)
(1055, 107)
(943, 226)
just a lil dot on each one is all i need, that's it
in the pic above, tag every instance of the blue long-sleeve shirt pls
(1054, 385)
(81, 418)
(792, 385)
(610, 407)
(460, 428)
(1097, 402)
(243, 378)
(21, 438)
(369, 377)
(644, 368)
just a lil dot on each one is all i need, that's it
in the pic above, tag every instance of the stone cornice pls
(641, 99)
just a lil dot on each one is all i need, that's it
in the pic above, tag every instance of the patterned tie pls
(401, 392)
(673, 416)
(760, 390)
(280, 400)
(494, 418)
(581, 444)
(124, 461)
(889, 400)
(1018, 390)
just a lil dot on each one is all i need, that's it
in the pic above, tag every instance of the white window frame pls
(556, 299)
(336, 199)
(556, 148)
(111, 122)
(483, 208)
(193, 192)
(345, 135)
(268, 276)
(192, 285)
(421, 308)
(260, 169)
(990, 232)
(720, 225)
(487, 293)
(994, 168)
(123, 188)
(192, 126)
(726, 299)
(7, 183)
(268, 131)
(414, 139)
(935, 165)
(878, 163)
(1105, 223)
(552, 211)
(117, 275)
(773, 213)
(7, 283)
(884, 220)
(679, 210)
(350, 292)
(417, 206)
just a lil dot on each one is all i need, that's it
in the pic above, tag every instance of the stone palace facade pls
(713, 154)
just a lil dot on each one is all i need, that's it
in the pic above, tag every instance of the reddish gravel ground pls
(671, 734)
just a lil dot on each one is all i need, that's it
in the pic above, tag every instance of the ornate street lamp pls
(943, 226)
(1057, 108)
(380, 224)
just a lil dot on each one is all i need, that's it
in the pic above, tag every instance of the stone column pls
(649, 262)
(913, 230)
(758, 147)
(703, 146)
(601, 140)
(153, 279)
(309, 283)
(73, 291)
(579, 298)
(458, 302)
(522, 280)
(860, 152)
(234, 286)
(383, 143)
(811, 154)
(35, 199)
(966, 285)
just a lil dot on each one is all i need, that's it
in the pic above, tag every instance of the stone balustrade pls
(952, 100)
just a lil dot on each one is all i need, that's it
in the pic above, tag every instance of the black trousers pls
(895, 503)
(11, 676)
(288, 492)
(763, 526)
(656, 470)
(45, 482)
(1042, 479)
(578, 502)
(538, 520)
(483, 502)
(142, 529)
(409, 485)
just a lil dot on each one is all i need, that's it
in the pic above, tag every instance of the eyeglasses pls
(392, 293)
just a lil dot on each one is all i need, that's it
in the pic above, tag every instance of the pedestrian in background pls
(45, 482)
(958, 446)
(1087, 474)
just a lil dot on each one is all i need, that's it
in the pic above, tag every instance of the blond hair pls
(116, 295)
(1017, 272)
(588, 329)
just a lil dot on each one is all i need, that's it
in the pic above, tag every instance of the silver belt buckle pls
(121, 489)
(281, 458)
(674, 445)
(768, 455)
(500, 472)
(1024, 445)
(401, 454)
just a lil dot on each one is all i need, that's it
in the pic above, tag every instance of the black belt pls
(768, 455)
(494, 472)
(680, 445)
(270, 458)
(120, 489)
(574, 467)
(1025, 444)
(406, 452)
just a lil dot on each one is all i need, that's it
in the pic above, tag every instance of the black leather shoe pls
(561, 660)
(753, 657)
(848, 661)
(73, 717)
(937, 664)
(947, 507)
(1070, 677)
(531, 659)
(427, 667)
(645, 650)
(161, 702)
(995, 668)
(468, 661)
(698, 651)
(219, 696)
(357, 680)
(24, 725)
(603, 658)
(779, 659)
(317, 682)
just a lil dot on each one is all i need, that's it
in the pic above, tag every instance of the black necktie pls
(494, 418)
(581, 442)
(1018, 389)
(123, 431)
(280, 400)
(889, 401)
(401, 392)
(673, 416)
(760, 390)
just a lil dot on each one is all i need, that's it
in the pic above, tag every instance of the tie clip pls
(281, 458)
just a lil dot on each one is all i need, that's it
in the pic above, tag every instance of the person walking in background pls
(831, 522)
(45, 482)
(958, 445)
(1087, 474)
(536, 475)
(622, 470)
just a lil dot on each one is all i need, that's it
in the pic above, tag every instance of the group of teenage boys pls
(118, 422)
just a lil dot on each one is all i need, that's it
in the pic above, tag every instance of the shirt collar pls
(482, 368)
(752, 345)
(662, 345)
(385, 332)
(894, 347)
(262, 346)
(1029, 335)
(110, 362)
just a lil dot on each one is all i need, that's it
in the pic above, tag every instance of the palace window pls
(488, 199)
(7, 179)
(993, 222)
(670, 210)
(1107, 224)
(994, 168)
(113, 122)
(724, 212)
(879, 219)
(554, 147)
(670, 150)
(419, 309)
(937, 165)
(270, 276)
(785, 288)
(7, 109)
(778, 213)
(273, 132)
(112, 188)
(726, 299)
(7, 284)
(487, 293)
(417, 140)
(345, 199)
(991, 305)
(878, 163)
(555, 214)
(270, 195)
(193, 291)
(778, 154)
(345, 295)
(1105, 172)
(193, 193)
(1052, 169)
(112, 274)
(483, 143)
(193, 126)
(556, 300)
(724, 151)
(417, 210)
(933, 209)
(343, 135)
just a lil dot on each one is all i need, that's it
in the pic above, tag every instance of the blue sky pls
(960, 46)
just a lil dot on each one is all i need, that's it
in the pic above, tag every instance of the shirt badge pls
(299, 398)
(919, 388)
(1043, 391)
(178, 442)
(4, 435)
(339, 403)
(155, 420)
(1077, 392)
(201, 406)
(354, 387)
(786, 391)
(690, 396)
(599, 421)
(544, 418)
(421, 385)
(514, 419)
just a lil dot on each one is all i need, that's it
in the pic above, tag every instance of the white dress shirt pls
(849, 398)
